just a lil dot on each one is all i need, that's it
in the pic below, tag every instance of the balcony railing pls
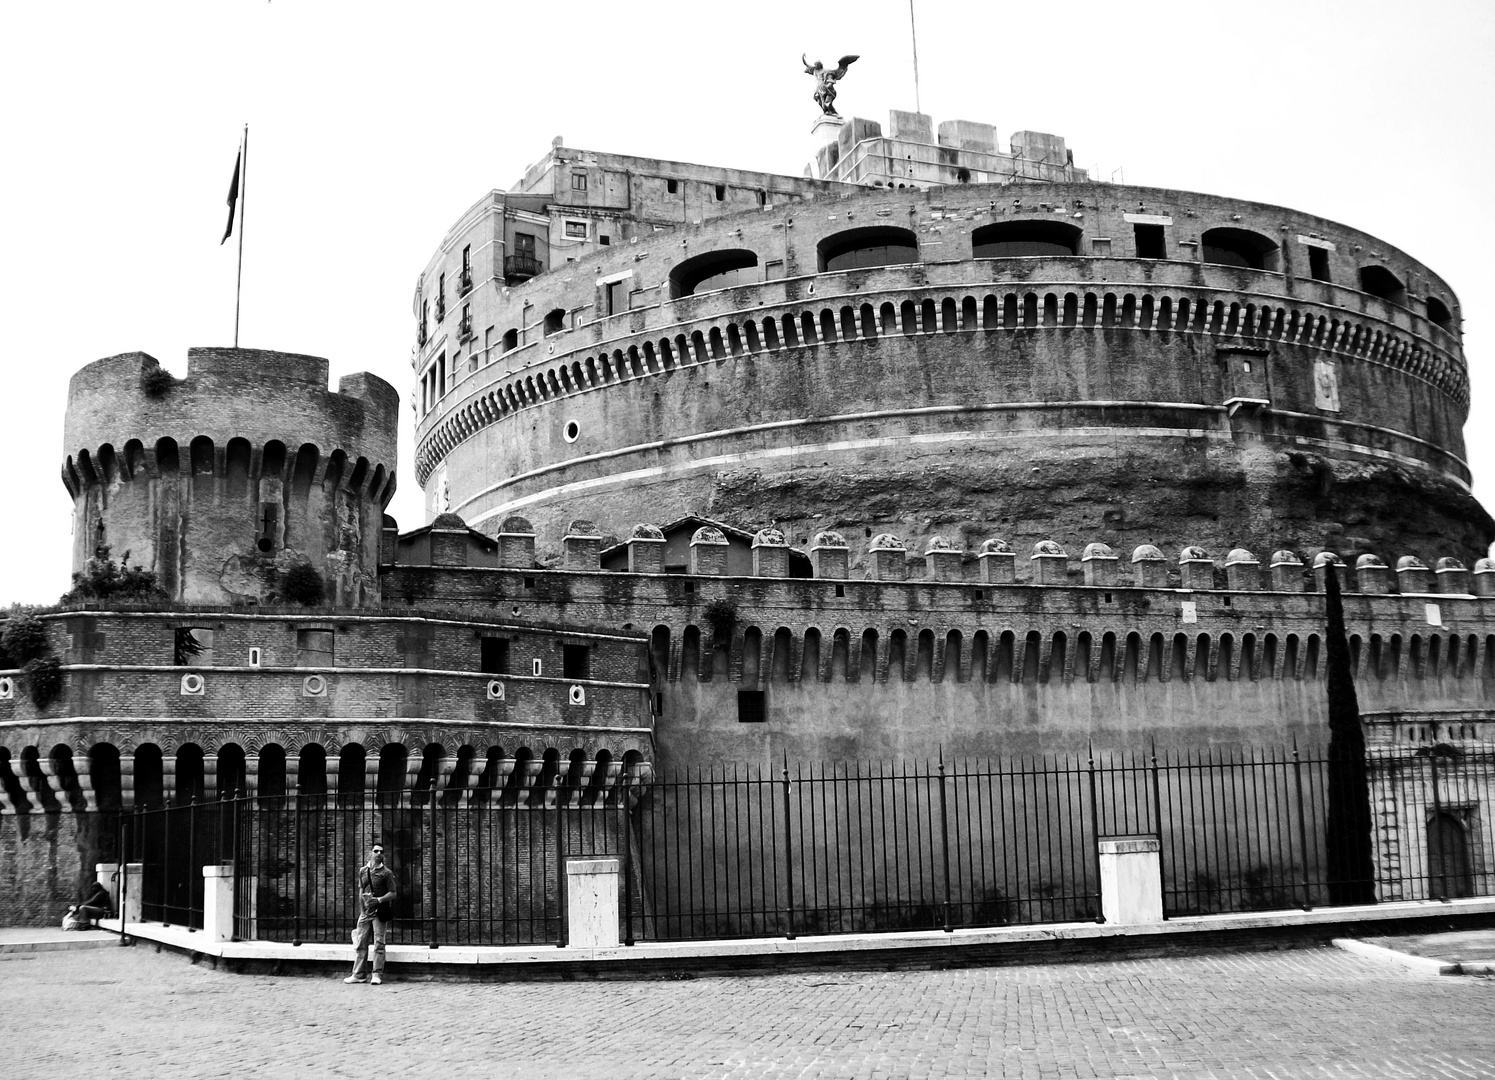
(441, 310)
(464, 284)
(464, 329)
(421, 333)
(520, 268)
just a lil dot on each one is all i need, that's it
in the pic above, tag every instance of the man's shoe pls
(356, 979)
(376, 980)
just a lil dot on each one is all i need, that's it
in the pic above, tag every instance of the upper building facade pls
(949, 345)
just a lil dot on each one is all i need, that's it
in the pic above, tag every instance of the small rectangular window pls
(611, 297)
(313, 648)
(576, 230)
(672, 186)
(254, 658)
(1150, 242)
(576, 661)
(762, 198)
(578, 181)
(1100, 246)
(605, 241)
(721, 192)
(658, 704)
(750, 707)
(1318, 264)
(538, 667)
(192, 647)
(494, 656)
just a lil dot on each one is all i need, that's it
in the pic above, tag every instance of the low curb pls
(1417, 965)
(68, 944)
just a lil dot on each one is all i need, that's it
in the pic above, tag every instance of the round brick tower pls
(222, 481)
(1064, 361)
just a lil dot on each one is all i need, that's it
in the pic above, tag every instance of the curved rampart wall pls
(1046, 395)
(221, 481)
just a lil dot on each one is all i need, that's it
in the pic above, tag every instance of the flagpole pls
(243, 216)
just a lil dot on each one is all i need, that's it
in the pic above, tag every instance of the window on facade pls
(192, 646)
(612, 298)
(1318, 263)
(555, 322)
(750, 707)
(1025, 239)
(578, 181)
(313, 648)
(1150, 242)
(1101, 246)
(876, 245)
(714, 270)
(721, 192)
(1239, 247)
(672, 186)
(604, 240)
(524, 244)
(576, 661)
(576, 230)
(1439, 314)
(493, 658)
(1379, 281)
(510, 339)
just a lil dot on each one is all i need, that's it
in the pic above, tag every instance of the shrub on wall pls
(301, 584)
(43, 680)
(721, 616)
(156, 382)
(103, 579)
(24, 638)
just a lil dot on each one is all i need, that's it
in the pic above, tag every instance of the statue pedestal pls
(823, 133)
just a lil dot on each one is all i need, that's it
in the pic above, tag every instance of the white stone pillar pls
(592, 903)
(107, 874)
(218, 902)
(1131, 881)
(134, 885)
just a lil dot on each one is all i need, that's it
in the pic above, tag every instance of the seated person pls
(96, 904)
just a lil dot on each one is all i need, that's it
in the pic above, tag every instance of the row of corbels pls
(888, 559)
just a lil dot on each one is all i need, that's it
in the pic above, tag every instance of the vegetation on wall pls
(721, 616)
(25, 644)
(104, 579)
(43, 680)
(301, 584)
(156, 382)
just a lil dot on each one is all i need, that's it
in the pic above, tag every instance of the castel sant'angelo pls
(942, 446)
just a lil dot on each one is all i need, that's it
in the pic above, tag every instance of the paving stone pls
(1313, 1013)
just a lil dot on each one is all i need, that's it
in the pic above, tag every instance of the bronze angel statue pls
(825, 81)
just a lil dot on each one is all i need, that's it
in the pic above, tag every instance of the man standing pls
(376, 893)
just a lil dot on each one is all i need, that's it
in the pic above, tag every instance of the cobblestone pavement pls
(1307, 1013)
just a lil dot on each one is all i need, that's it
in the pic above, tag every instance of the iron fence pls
(850, 847)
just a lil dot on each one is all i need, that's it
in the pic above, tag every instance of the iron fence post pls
(1302, 825)
(562, 900)
(296, 862)
(1157, 824)
(626, 835)
(433, 935)
(945, 843)
(788, 854)
(1100, 913)
(1440, 890)
(124, 865)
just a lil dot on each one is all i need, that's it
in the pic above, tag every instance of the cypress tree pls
(1347, 834)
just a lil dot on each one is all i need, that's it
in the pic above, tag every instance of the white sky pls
(374, 125)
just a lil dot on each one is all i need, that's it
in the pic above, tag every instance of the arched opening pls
(1379, 281)
(236, 465)
(659, 652)
(233, 775)
(61, 759)
(840, 654)
(867, 662)
(1058, 649)
(104, 773)
(1202, 668)
(1006, 650)
(897, 650)
(390, 781)
(1032, 647)
(950, 662)
(1448, 857)
(924, 656)
(190, 781)
(150, 781)
(809, 666)
(1239, 247)
(783, 641)
(1438, 314)
(271, 775)
(351, 774)
(1025, 239)
(690, 655)
(752, 655)
(1106, 666)
(714, 270)
(311, 775)
(1083, 645)
(429, 775)
(873, 245)
(555, 322)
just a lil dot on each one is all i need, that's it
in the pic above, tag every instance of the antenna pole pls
(243, 217)
(914, 36)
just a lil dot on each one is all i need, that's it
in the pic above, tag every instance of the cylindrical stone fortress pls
(221, 481)
(1042, 361)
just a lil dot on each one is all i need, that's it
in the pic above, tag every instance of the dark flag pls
(233, 201)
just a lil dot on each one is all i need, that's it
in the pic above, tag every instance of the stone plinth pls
(218, 902)
(1131, 881)
(592, 903)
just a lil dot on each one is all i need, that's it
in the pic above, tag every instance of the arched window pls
(1025, 239)
(1439, 314)
(1379, 281)
(714, 270)
(1448, 857)
(873, 245)
(1239, 247)
(555, 322)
